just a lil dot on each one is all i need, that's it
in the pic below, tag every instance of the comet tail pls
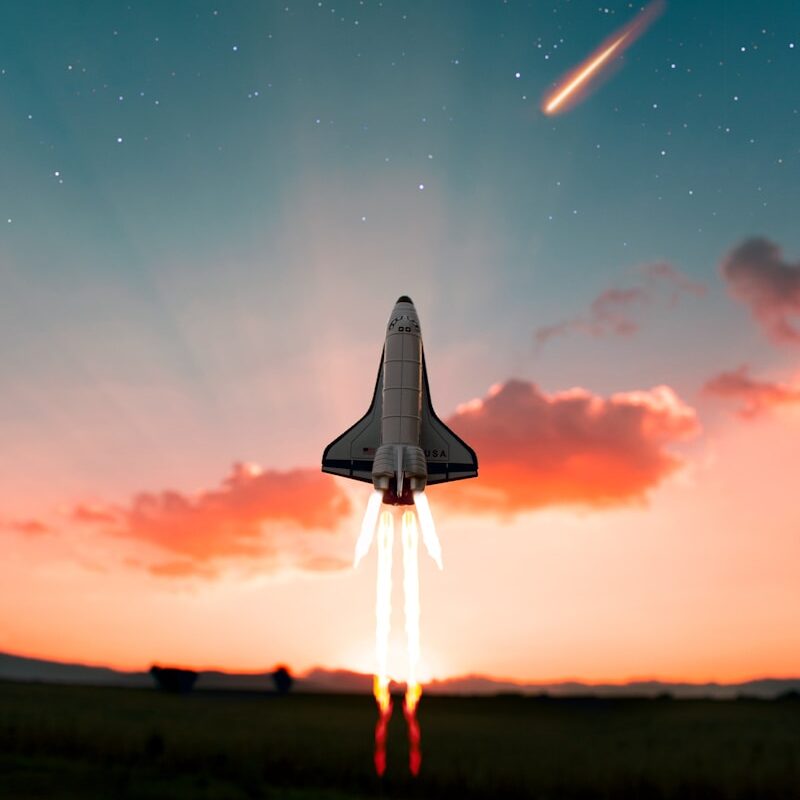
(573, 85)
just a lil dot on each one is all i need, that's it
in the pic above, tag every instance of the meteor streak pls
(400, 446)
(584, 75)
(574, 85)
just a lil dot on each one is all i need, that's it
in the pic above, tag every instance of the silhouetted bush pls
(171, 679)
(283, 680)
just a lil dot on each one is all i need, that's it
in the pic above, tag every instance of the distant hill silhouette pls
(21, 668)
(336, 680)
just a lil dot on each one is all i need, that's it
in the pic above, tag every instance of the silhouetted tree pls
(171, 679)
(283, 680)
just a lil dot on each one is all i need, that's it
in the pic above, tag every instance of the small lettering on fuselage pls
(410, 326)
(436, 454)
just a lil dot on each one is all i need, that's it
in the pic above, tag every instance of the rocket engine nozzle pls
(398, 471)
(392, 498)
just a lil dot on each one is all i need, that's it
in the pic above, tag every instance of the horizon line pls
(303, 675)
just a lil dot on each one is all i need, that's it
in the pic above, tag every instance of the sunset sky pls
(207, 212)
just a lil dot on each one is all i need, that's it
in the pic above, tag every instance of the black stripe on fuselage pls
(434, 468)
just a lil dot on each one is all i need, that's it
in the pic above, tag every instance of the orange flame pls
(380, 689)
(413, 694)
(581, 78)
(409, 710)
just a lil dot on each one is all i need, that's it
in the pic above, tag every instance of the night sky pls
(208, 211)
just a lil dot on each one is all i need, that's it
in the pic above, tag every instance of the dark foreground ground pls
(76, 742)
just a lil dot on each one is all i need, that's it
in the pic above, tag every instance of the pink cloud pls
(670, 277)
(755, 396)
(610, 314)
(569, 448)
(759, 276)
(615, 312)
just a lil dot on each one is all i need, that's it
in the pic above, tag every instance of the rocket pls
(400, 445)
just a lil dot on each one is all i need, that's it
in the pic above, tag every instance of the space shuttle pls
(400, 445)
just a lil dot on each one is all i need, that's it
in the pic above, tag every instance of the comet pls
(577, 82)
(399, 446)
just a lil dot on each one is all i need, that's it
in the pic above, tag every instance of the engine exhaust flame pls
(412, 614)
(414, 752)
(575, 83)
(384, 700)
(429, 537)
(410, 531)
(383, 614)
(368, 526)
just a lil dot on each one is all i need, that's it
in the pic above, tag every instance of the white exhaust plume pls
(429, 537)
(383, 610)
(411, 592)
(368, 526)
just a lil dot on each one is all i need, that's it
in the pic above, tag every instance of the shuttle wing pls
(351, 454)
(449, 457)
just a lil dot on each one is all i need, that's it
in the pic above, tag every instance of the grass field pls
(78, 742)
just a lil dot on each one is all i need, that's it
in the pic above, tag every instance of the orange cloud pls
(569, 448)
(756, 397)
(86, 513)
(245, 517)
(615, 312)
(180, 569)
(759, 276)
(30, 527)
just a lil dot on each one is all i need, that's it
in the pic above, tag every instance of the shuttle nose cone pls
(405, 299)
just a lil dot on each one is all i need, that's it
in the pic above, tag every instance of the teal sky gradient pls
(263, 208)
